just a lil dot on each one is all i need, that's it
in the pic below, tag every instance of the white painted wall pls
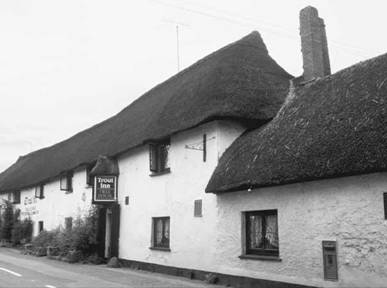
(192, 240)
(348, 210)
(57, 204)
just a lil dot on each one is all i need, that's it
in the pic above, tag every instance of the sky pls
(67, 65)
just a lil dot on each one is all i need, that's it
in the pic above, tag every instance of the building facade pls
(232, 168)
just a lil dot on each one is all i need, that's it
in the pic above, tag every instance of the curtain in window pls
(159, 231)
(271, 236)
(164, 159)
(256, 232)
(165, 240)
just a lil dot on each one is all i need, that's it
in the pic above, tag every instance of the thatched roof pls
(335, 126)
(240, 81)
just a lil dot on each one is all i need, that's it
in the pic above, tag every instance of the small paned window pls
(69, 223)
(261, 233)
(40, 226)
(160, 232)
(66, 182)
(16, 197)
(39, 191)
(198, 208)
(159, 157)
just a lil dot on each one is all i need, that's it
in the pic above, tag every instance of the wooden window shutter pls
(153, 157)
(198, 208)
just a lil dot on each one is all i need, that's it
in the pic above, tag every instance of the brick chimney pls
(314, 45)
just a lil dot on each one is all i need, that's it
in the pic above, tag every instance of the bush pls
(45, 238)
(22, 232)
(7, 222)
(76, 243)
(95, 259)
(84, 233)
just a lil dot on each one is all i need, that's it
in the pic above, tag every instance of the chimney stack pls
(314, 45)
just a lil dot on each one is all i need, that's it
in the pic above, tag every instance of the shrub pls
(95, 259)
(22, 231)
(75, 243)
(7, 221)
(84, 233)
(45, 238)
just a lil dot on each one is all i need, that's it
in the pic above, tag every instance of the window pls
(69, 223)
(89, 178)
(160, 231)
(39, 191)
(16, 197)
(66, 182)
(198, 208)
(158, 157)
(40, 226)
(261, 230)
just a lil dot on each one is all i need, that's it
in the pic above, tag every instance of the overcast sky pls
(67, 65)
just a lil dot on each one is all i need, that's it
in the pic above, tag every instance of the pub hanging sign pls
(105, 189)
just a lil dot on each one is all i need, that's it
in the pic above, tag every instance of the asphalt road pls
(17, 270)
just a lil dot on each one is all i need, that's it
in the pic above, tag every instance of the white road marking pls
(49, 286)
(11, 272)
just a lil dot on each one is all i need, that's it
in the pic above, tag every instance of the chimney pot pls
(314, 45)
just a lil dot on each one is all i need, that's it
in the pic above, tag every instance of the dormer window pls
(159, 157)
(39, 191)
(66, 182)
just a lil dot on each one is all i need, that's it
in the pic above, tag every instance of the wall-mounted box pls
(330, 260)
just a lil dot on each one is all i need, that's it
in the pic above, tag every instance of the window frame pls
(68, 223)
(154, 245)
(40, 226)
(16, 197)
(39, 191)
(264, 252)
(158, 162)
(89, 178)
(198, 208)
(68, 179)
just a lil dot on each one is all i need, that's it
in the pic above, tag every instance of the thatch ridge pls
(239, 81)
(333, 127)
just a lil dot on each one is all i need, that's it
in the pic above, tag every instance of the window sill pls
(68, 191)
(260, 257)
(166, 171)
(160, 249)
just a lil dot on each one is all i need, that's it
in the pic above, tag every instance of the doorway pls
(108, 230)
(108, 233)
